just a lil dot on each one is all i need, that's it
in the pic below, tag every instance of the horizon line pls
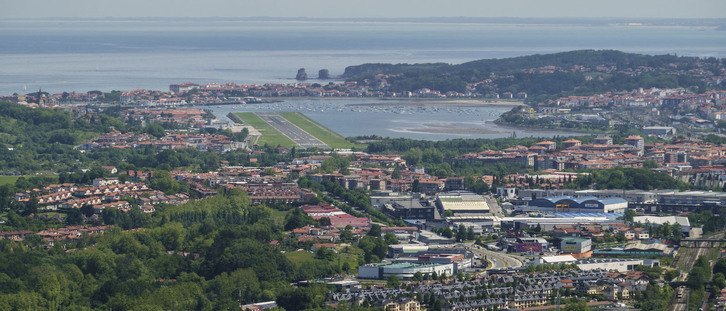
(111, 18)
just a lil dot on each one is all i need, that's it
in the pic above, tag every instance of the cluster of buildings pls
(321, 236)
(376, 87)
(337, 217)
(697, 163)
(202, 142)
(420, 258)
(721, 300)
(105, 192)
(507, 291)
(663, 113)
(651, 98)
(182, 117)
(379, 86)
(52, 235)
(624, 265)
(285, 193)
(569, 204)
(642, 201)
(571, 154)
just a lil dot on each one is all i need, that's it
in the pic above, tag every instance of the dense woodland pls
(205, 255)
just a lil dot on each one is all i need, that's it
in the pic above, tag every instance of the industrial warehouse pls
(567, 204)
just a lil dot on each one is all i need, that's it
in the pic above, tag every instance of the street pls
(499, 260)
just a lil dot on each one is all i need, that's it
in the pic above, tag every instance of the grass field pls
(297, 258)
(270, 135)
(279, 216)
(330, 138)
(4, 180)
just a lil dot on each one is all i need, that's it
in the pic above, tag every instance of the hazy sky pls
(365, 8)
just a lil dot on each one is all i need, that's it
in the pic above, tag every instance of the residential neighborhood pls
(149, 194)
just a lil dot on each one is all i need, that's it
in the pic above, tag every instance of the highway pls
(499, 260)
(294, 133)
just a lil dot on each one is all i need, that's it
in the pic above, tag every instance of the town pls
(127, 200)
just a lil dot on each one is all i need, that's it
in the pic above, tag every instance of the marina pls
(396, 118)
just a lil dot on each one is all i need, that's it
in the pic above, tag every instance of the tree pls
(720, 266)
(5, 197)
(577, 305)
(655, 297)
(374, 248)
(697, 278)
(155, 130)
(413, 156)
(629, 214)
(324, 253)
(346, 235)
(88, 210)
(297, 219)
(390, 238)
(74, 217)
(446, 232)
(396, 174)
(393, 282)
(650, 163)
(375, 231)
(33, 240)
(671, 274)
(416, 186)
(438, 304)
(417, 277)
(470, 233)
(163, 181)
(461, 233)
(719, 280)
(324, 221)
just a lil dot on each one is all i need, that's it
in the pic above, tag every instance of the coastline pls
(539, 129)
(458, 102)
(386, 101)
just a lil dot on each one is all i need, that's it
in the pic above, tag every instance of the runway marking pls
(291, 131)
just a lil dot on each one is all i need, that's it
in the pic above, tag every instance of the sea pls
(66, 55)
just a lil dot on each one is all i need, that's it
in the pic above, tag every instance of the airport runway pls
(296, 134)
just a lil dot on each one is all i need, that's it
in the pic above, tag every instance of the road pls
(294, 133)
(494, 207)
(498, 260)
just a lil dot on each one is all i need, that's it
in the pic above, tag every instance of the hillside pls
(43, 139)
(581, 72)
(513, 64)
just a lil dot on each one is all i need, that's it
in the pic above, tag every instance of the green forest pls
(205, 255)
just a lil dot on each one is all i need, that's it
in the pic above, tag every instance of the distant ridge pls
(580, 72)
(503, 65)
